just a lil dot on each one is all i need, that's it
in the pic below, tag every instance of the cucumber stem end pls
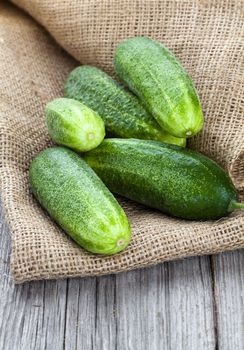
(235, 205)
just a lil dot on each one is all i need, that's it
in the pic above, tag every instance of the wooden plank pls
(141, 309)
(228, 272)
(106, 321)
(191, 304)
(91, 314)
(169, 306)
(33, 313)
(80, 314)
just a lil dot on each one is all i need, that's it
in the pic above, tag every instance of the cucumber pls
(72, 124)
(153, 73)
(123, 114)
(78, 201)
(177, 181)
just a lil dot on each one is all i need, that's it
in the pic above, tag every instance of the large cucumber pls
(175, 180)
(72, 124)
(152, 72)
(123, 114)
(78, 201)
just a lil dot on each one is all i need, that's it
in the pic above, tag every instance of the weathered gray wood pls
(32, 314)
(143, 309)
(190, 297)
(106, 314)
(80, 314)
(170, 306)
(228, 271)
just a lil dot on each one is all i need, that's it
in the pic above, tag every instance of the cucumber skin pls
(71, 123)
(123, 114)
(153, 73)
(177, 181)
(78, 201)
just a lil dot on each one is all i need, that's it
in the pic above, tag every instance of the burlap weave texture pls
(207, 37)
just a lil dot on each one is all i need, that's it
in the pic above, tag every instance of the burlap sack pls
(206, 35)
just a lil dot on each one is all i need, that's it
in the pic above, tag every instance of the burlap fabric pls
(206, 35)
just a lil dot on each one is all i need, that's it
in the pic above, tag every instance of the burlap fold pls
(206, 35)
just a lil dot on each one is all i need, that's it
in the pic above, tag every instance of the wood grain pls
(166, 307)
(196, 303)
(228, 274)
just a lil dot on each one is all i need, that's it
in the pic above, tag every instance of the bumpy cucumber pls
(177, 181)
(78, 201)
(123, 114)
(152, 72)
(72, 124)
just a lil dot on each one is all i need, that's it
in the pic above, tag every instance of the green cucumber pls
(78, 201)
(175, 180)
(123, 114)
(72, 124)
(153, 73)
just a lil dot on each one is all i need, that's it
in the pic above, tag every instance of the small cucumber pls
(175, 180)
(123, 114)
(78, 201)
(72, 124)
(152, 72)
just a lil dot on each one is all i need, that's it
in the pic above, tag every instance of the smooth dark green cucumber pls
(123, 114)
(177, 181)
(71, 123)
(153, 73)
(78, 201)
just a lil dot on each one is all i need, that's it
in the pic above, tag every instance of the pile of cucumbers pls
(144, 158)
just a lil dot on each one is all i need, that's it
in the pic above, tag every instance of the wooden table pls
(192, 304)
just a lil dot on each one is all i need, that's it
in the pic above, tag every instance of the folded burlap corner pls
(207, 38)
